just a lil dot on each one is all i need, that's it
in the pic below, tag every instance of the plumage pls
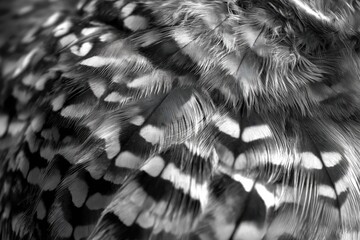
(166, 119)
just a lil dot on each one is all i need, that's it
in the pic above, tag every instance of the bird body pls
(194, 119)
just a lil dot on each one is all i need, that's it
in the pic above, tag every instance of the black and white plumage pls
(194, 119)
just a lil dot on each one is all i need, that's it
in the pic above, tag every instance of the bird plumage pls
(192, 119)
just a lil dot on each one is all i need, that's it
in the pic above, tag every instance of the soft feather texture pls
(189, 119)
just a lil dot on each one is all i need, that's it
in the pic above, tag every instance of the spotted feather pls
(152, 119)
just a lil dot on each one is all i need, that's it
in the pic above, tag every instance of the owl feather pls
(194, 119)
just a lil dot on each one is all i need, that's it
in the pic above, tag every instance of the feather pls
(152, 119)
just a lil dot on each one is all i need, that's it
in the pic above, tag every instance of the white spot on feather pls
(341, 185)
(247, 183)
(326, 191)
(40, 210)
(51, 134)
(38, 122)
(52, 19)
(229, 126)
(310, 161)
(116, 97)
(82, 232)
(249, 231)
(89, 31)
(182, 37)
(126, 211)
(34, 176)
(6, 187)
(16, 127)
(106, 37)
(160, 208)
(83, 50)
(23, 162)
(109, 130)
(136, 23)
(145, 220)
(127, 159)
(267, 196)
(78, 190)
(58, 102)
(6, 211)
(47, 152)
(152, 134)
(119, 3)
(137, 120)
(138, 197)
(241, 162)
(279, 158)
(98, 201)
(112, 146)
(40, 84)
(140, 82)
(254, 133)
(186, 183)
(63, 28)
(225, 155)
(24, 63)
(127, 9)
(97, 87)
(76, 111)
(22, 96)
(52, 180)
(68, 39)
(4, 121)
(154, 166)
(331, 159)
(30, 79)
(96, 61)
